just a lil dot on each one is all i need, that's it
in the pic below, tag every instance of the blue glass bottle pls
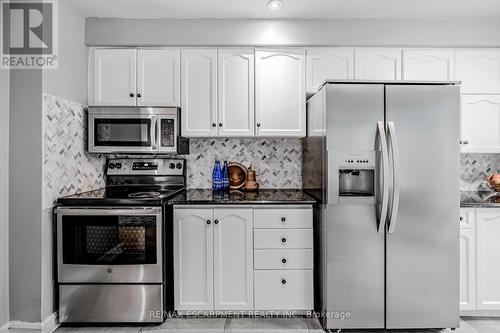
(225, 177)
(217, 177)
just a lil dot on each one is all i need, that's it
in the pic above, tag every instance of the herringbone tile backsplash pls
(474, 170)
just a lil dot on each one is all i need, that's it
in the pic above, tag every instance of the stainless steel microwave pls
(141, 130)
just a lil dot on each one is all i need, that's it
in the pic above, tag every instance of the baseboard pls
(479, 313)
(49, 325)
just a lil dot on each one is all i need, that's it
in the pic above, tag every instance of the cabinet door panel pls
(488, 252)
(114, 77)
(236, 92)
(280, 93)
(428, 64)
(480, 123)
(377, 64)
(158, 76)
(199, 92)
(467, 270)
(325, 64)
(233, 259)
(193, 259)
(479, 70)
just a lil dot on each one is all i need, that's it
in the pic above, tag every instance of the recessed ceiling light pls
(274, 4)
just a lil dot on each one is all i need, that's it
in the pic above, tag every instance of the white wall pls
(306, 32)
(4, 196)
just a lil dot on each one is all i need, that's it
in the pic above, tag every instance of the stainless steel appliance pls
(114, 245)
(144, 130)
(382, 158)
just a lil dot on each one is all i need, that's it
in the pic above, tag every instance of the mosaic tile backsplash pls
(278, 162)
(67, 167)
(475, 168)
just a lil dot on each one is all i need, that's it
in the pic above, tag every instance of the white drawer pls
(283, 238)
(466, 217)
(283, 290)
(283, 259)
(275, 218)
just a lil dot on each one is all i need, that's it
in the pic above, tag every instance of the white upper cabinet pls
(280, 96)
(233, 259)
(479, 70)
(328, 63)
(488, 252)
(158, 77)
(428, 64)
(480, 123)
(199, 92)
(377, 64)
(114, 77)
(236, 113)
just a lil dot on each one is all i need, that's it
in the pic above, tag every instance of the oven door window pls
(105, 240)
(122, 132)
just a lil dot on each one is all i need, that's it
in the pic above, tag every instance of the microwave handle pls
(154, 134)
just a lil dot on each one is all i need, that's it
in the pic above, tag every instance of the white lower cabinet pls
(222, 263)
(213, 262)
(467, 270)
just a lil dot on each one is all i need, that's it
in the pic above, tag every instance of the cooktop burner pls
(144, 194)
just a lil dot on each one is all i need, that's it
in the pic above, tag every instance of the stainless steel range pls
(114, 245)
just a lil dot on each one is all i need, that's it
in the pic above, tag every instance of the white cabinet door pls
(280, 97)
(199, 92)
(193, 259)
(467, 270)
(236, 92)
(428, 64)
(233, 259)
(114, 77)
(480, 123)
(328, 63)
(488, 254)
(479, 70)
(466, 218)
(377, 64)
(158, 77)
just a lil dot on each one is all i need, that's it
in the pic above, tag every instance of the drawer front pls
(283, 238)
(283, 259)
(466, 217)
(277, 218)
(283, 290)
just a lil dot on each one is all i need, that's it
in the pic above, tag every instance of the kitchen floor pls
(264, 325)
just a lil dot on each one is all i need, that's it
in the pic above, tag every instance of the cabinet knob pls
(214, 124)
(283, 281)
(216, 221)
(131, 95)
(461, 218)
(258, 124)
(139, 95)
(283, 260)
(208, 221)
(283, 219)
(283, 239)
(466, 142)
(220, 124)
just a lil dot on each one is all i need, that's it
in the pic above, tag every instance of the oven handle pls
(108, 211)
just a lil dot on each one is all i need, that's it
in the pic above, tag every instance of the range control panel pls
(156, 166)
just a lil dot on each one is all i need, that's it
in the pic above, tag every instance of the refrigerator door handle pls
(381, 138)
(393, 217)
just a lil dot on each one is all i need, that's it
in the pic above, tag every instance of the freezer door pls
(422, 240)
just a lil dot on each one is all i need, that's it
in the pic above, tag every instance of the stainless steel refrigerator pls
(383, 160)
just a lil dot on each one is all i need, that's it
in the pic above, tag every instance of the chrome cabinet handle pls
(382, 141)
(393, 218)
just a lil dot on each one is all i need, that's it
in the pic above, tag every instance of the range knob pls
(118, 165)
(179, 165)
(111, 165)
(171, 165)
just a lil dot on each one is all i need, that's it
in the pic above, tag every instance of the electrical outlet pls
(255, 167)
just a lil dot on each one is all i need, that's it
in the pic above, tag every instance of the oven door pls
(104, 245)
(120, 133)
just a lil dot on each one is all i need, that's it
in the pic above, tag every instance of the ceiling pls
(290, 9)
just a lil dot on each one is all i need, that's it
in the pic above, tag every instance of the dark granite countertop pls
(479, 199)
(265, 196)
